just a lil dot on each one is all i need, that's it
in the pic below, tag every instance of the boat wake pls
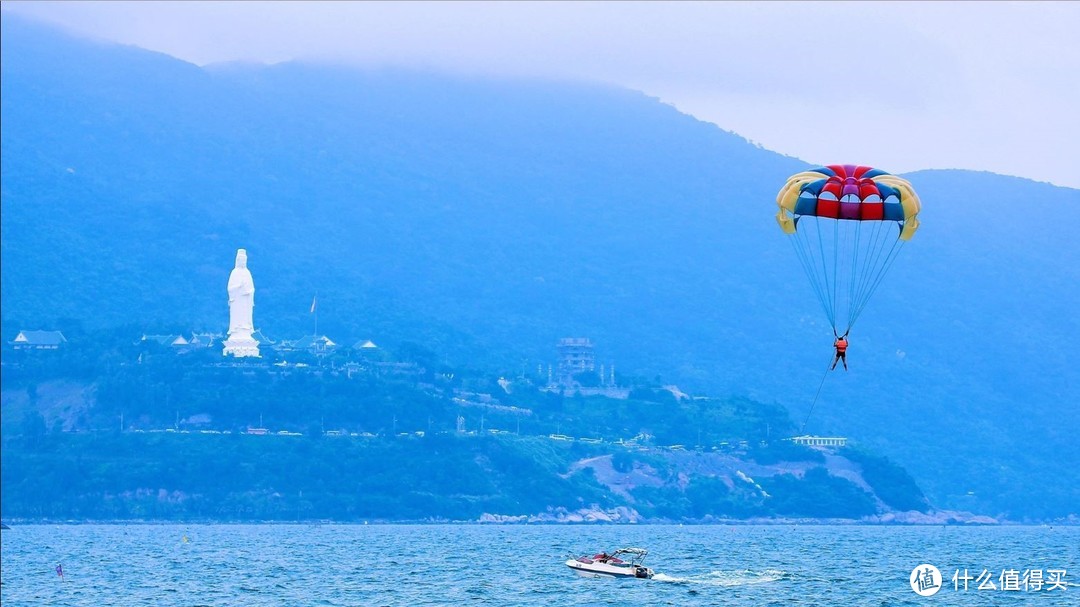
(746, 577)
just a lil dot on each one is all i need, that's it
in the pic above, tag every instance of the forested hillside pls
(146, 431)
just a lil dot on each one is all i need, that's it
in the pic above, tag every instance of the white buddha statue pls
(241, 309)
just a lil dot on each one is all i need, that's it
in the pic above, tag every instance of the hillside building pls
(204, 340)
(38, 340)
(316, 344)
(819, 441)
(176, 341)
(575, 355)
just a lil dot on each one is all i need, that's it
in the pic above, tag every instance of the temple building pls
(575, 355)
(38, 340)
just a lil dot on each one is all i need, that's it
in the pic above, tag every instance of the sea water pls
(524, 565)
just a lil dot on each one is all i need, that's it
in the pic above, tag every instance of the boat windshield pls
(635, 554)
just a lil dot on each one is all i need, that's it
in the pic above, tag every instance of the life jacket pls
(841, 345)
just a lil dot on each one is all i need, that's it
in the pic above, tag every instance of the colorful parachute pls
(847, 224)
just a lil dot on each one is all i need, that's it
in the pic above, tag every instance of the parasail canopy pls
(847, 225)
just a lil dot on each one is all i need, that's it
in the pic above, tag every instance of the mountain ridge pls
(485, 220)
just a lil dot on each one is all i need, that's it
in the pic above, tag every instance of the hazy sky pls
(899, 85)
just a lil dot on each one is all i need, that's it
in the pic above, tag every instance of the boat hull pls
(601, 570)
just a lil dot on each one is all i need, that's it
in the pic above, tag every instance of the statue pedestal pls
(240, 346)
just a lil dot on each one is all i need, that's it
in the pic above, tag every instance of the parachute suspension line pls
(854, 273)
(871, 256)
(877, 246)
(836, 267)
(817, 254)
(872, 279)
(814, 402)
(879, 264)
(831, 305)
(862, 267)
(862, 263)
(823, 274)
(803, 253)
(893, 254)
(863, 272)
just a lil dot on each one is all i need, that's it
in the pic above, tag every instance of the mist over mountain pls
(485, 219)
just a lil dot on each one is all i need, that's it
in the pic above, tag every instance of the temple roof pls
(39, 338)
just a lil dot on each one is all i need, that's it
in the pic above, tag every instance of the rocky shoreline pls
(625, 515)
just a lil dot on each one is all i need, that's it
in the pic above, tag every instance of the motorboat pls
(622, 563)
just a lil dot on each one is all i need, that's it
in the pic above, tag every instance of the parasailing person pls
(840, 345)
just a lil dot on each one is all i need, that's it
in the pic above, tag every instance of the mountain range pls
(484, 219)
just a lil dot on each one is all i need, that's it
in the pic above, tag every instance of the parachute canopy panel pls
(848, 192)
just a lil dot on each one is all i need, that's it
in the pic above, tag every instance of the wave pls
(745, 577)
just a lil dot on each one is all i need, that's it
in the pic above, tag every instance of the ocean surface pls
(523, 565)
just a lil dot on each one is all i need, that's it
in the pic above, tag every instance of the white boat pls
(623, 563)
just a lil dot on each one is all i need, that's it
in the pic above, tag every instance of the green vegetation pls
(889, 481)
(176, 476)
(164, 433)
(241, 477)
(784, 451)
(817, 494)
(703, 498)
(355, 438)
(153, 387)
